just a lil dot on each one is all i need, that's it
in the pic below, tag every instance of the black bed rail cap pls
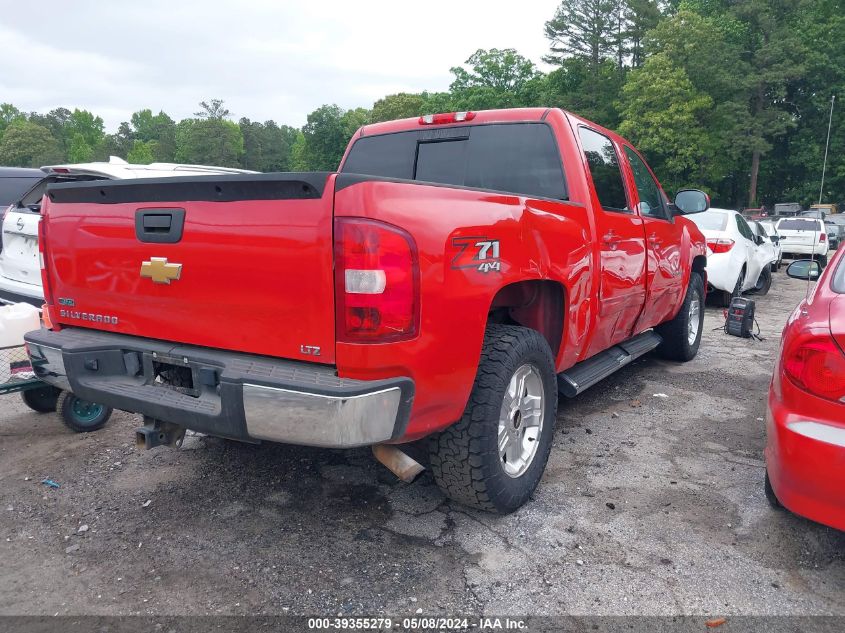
(215, 188)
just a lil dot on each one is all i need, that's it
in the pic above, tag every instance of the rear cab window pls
(518, 158)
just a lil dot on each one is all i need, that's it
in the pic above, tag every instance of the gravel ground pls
(649, 505)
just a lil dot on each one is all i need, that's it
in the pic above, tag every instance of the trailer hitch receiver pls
(157, 433)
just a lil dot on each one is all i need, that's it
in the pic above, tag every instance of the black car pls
(16, 181)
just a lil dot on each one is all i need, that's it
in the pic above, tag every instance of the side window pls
(743, 227)
(760, 230)
(651, 199)
(604, 168)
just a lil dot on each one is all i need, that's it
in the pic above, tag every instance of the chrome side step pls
(588, 372)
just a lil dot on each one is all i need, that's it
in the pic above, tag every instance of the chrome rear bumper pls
(241, 396)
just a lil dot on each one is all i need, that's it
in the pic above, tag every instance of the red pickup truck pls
(456, 273)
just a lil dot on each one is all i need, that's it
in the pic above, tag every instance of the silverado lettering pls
(451, 278)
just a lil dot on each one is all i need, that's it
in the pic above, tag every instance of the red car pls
(805, 421)
(457, 272)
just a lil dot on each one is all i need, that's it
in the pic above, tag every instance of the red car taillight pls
(817, 366)
(45, 276)
(376, 282)
(720, 245)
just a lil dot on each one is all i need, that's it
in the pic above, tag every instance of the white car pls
(803, 236)
(736, 263)
(770, 234)
(20, 274)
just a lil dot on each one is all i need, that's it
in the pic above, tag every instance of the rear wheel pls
(764, 282)
(682, 335)
(42, 400)
(82, 416)
(494, 456)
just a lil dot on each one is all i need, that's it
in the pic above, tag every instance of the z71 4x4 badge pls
(477, 252)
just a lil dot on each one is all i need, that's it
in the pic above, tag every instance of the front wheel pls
(82, 416)
(493, 457)
(771, 497)
(682, 335)
(764, 282)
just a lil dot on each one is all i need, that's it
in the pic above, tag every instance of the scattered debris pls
(71, 549)
(418, 611)
(83, 528)
(610, 505)
(589, 431)
(714, 622)
(636, 403)
(579, 562)
(50, 482)
(146, 503)
(659, 395)
(614, 415)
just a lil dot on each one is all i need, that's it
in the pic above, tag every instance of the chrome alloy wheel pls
(521, 420)
(694, 321)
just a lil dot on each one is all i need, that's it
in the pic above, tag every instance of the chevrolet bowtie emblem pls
(160, 271)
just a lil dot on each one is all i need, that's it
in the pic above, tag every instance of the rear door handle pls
(159, 226)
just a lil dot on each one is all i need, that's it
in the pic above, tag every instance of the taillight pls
(377, 280)
(817, 366)
(446, 117)
(720, 245)
(822, 237)
(5, 213)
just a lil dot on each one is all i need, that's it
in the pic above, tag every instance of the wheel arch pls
(538, 304)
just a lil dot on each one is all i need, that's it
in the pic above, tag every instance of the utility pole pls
(826, 145)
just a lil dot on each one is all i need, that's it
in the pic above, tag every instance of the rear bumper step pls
(240, 396)
(585, 374)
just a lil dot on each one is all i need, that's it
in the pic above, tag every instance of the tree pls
(586, 29)
(267, 146)
(641, 16)
(212, 109)
(495, 79)
(159, 128)
(663, 114)
(326, 135)
(398, 106)
(86, 125)
(79, 151)
(8, 113)
(142, 153)
(118, 144)
(209, 141)
(27, 144)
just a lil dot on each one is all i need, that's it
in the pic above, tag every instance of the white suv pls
(20, 274)
(803, 236)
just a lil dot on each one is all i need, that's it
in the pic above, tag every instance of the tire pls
(682, 335)
(822, 259)
(764, 282)
(776, 266)
(771, 497)
(466, 459)
(42, 400)
(82, 416)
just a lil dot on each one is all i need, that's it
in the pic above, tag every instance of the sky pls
(267, 60)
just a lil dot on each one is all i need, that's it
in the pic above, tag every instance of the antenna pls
(821, 193)
(826, 145)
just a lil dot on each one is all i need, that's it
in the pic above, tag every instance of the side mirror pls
(692, 201)
(804, 269)
(775, 238)
(759, 240)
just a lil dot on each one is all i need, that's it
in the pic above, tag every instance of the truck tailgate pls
(250, 270)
